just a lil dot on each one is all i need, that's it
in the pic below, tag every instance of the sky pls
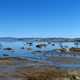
(39, 18)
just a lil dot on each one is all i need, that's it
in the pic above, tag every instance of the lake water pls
(18, 45)
(38, 56)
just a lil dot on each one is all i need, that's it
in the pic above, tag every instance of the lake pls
(39, 54)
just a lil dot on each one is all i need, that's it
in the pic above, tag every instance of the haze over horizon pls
(39, 18)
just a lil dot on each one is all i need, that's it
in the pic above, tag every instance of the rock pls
(53, 44)
(5, 55)
(41, 45)
(29, 49)
(75, 77)
(74, 49)
(8, 49)
(78, 77)
(22, 48)
(30, 44)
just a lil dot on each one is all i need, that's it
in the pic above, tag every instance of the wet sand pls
(25, 69)
(51, 68)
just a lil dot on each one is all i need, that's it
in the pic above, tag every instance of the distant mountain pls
(12, 39)
(8, 39)
(50, 39)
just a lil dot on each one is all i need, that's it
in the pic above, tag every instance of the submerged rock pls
(30, 43)
(29, 49)
(22, 48)
(8, 49)
(5, 55)
(53, 44)
(37, 52)
(41, 45)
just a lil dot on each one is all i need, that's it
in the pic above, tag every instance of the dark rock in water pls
(5, 55)
(36, 52)
(53, 44)
(73, 77)
(36, 40)
(8, 49)
(30, 44)
(22, 48)
(41, 45)
(49, 42)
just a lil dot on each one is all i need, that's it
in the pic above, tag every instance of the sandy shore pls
(25, 69)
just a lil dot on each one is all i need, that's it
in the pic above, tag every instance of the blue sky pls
(39, 18)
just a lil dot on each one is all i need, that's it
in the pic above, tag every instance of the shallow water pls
(19, 44)
(37, 56)
(33, 57)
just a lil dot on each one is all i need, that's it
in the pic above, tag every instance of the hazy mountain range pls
(54, 39)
